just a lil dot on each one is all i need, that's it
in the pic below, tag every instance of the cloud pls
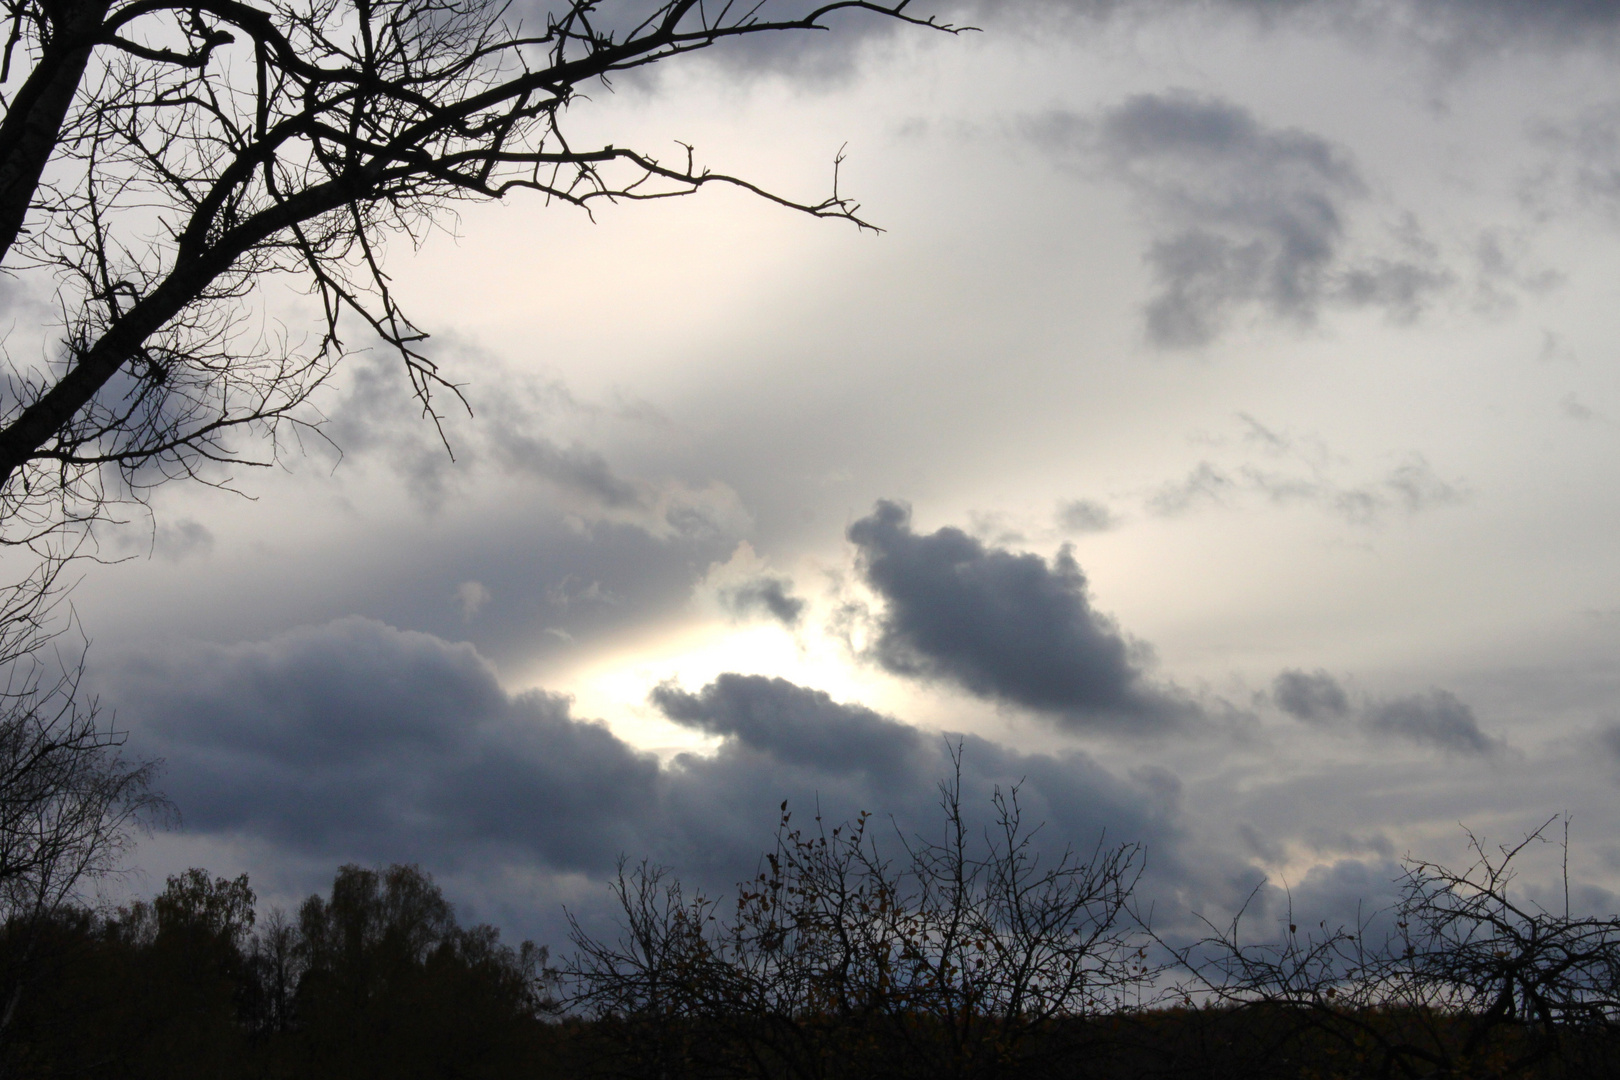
(1085, 516)
(470, 596)
(172, 541)
(793, 723)
(356, 736)
(1571, 407)
(1259, 210)
(1245, 216)
(1299, 469)
(1453, 31)
(829, 55)
(520, 430)
(1315, 696)
(1580, 171)
(1004, 626)
(744, 586)
(573, 467)
(1438, 719)
(1458, 29)
(771, 595)
(1416, 487)
(1204, 485)
(356, 741)
(1505, 270)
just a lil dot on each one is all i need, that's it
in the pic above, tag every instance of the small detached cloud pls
(771, 596)
(1005, 626)
(1437, 719)
(745, 587)
(1315, 696)
(1085, 516)
(470, 597)
(1244, 216)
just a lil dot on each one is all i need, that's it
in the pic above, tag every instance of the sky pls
(1221, 442)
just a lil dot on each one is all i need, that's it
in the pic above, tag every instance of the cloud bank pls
(355, 741)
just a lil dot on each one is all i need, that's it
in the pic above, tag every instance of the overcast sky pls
(1223, 438)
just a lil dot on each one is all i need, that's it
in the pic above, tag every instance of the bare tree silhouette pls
(967, 957)
(163, 159)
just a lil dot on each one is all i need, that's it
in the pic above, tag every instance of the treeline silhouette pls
(974, 956)
(376, 980)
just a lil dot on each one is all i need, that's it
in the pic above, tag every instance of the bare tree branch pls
(164, 160)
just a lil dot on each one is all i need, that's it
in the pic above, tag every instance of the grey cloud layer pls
(1453, 29)
(377, 416)
(1005, 626)
(1244, 216)
(358, 741)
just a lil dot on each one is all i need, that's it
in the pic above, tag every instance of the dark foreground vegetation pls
(969, 957)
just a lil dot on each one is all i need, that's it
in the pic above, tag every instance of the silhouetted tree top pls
(162, 158)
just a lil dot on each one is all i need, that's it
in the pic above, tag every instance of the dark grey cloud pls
(1453, 31)
(1461, 29)
(1257, 212)
(771, 595)
(1085, 516)
(1442, 24)
(1438, 719)
(1608, 738)
(396, 745)
(794, 723)
(1315, 696)
(1348, 893)
(1245, 216)
(1008, 627)
(524, 584)
(355, 741)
